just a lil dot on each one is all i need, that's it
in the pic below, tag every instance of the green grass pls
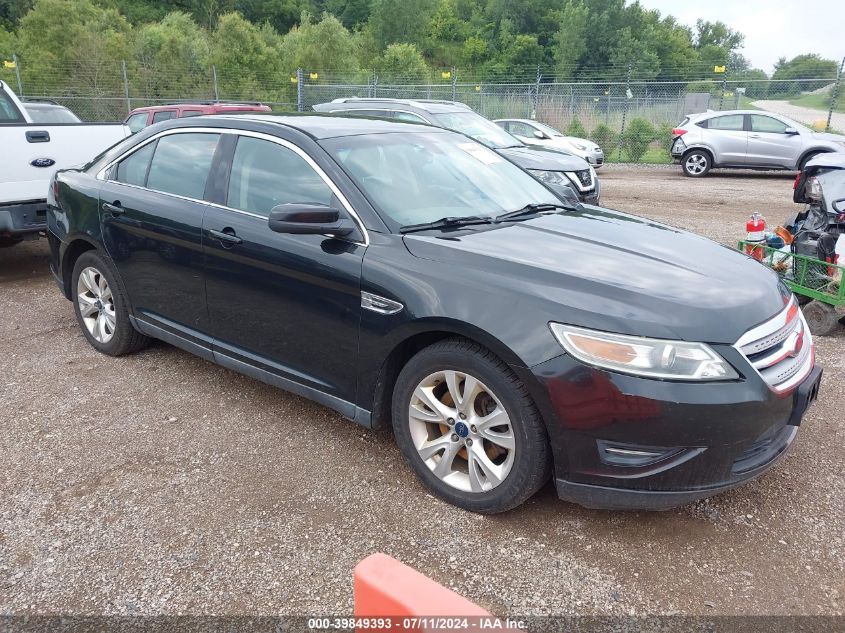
(819, 102)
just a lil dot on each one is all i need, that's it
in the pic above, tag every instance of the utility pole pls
(126, 87)
(18, 73)
(299, 104)
(214, 78)
(628, 97)
(834, 93)
(536, 93)
(454, 84)
(724, 87)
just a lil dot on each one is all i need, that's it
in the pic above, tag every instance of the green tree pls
(402, 21)
(576, 128)
(637, 137)
(11, 11)
(320, 46)
(570, 41)
(803, 69)
(171, 59)
(604, 137)
(402, 63)
(282, 15)
(247, 59)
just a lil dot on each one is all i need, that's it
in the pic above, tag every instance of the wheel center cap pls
(461, 429)
(98, 304)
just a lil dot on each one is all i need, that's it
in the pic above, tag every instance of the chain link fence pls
(631, 119)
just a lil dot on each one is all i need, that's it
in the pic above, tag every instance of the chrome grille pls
(781, 350)
(585, 177)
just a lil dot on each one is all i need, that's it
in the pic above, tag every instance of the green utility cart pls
(819, 285)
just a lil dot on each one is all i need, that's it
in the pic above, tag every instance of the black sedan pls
(406, 275)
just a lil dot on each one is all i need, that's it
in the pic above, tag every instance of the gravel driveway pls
(804, 115)
(160, 483)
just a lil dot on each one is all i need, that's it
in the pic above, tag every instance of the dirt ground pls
(160, 483)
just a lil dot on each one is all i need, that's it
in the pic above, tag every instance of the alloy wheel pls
(461, 431)
(96, 304)
(695, 164)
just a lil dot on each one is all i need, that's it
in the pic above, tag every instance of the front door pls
(287, 304)
(769, 144)
(151, 210)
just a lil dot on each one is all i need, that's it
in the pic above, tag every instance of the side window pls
(385, 114)
(164, 115)
(191, 112)
(133, 169)
(731, 122)
(409, 117)
(266, 174)
(8, 110)
(137, 122)
(181, 164)
(521, 129)
(761, 123)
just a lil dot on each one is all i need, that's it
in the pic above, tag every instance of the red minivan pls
(140, 118)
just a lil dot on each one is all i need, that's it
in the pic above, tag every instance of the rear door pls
(151, 212)
(769, 144)
(288, 305)
(727, 136)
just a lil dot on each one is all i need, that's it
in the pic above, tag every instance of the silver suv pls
(747, 139)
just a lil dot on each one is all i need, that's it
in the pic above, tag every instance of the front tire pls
(696, 163)
(101, 308)
(467, 426)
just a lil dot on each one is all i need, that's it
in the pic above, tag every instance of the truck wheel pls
(696, 163)
(6, 242)
(821, 317)
(466, 424)
(101, 306)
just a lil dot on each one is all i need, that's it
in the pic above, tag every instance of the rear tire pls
(101, 307)
(481, 445)
(821, 318)
(696, 163)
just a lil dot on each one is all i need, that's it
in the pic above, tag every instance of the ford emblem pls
(42, 162)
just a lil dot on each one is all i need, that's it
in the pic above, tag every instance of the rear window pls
(181, 164)
(191, 113)
(8, 110)
(137, 122)
(163, 115)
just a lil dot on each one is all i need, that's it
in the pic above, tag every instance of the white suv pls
(747, 139)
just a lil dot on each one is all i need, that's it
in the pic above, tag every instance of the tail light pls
(796, 181)
(678, 131)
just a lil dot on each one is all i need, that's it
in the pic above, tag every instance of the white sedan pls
(534, 133)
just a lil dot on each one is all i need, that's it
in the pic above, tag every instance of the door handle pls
(114, 209)
(38, 136)
(753, 136)
(227, 236)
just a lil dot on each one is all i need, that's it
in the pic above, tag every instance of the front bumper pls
(23, 219)
(623, 442)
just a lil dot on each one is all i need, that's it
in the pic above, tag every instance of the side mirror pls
(791, 131)
(539, 134)
(308, 219)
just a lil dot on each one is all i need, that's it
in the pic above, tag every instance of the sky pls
(772, 28)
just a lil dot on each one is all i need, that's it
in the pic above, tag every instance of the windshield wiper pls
(447, 222)
(534, 209)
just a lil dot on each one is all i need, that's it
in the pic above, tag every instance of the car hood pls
(530, 157)
(614, 272)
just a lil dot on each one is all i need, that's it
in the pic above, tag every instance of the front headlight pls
(550, 177)
(650, 358)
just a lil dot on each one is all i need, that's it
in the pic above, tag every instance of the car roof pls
(710, 113)
(434, 106)
(40, 105)
(320, 126)
(529, 121)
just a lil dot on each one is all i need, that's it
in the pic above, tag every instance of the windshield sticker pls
(481, 153)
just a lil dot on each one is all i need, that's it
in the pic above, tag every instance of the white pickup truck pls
(30, 153)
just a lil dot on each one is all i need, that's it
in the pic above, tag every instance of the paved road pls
(160, 483)
(804, 115)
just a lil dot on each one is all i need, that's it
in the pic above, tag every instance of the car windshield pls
(47, 114)
(545, 128)
(477, 127)
(413, 178)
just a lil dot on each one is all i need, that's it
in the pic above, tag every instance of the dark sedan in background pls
(407, 275)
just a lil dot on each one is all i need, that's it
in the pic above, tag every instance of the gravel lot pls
(160, 483)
